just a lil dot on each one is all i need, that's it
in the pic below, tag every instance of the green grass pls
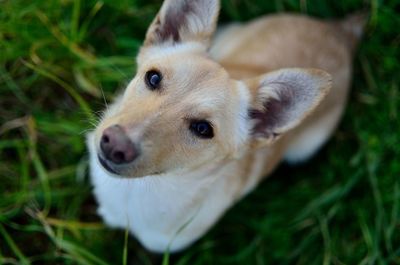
(56, 58)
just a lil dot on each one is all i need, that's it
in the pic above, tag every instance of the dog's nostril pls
(105, 139)
(118, 157)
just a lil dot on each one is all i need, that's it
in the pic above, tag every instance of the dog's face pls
(182, 110)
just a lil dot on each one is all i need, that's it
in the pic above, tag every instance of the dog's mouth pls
(120, 172)
(107, 166)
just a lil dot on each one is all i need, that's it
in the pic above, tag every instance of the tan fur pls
(286, 41)
(215, 86)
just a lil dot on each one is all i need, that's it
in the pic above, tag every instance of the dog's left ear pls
(182, 21)
(283, 98)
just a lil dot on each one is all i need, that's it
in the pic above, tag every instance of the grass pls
(57, 58)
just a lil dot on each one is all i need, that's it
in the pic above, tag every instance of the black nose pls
(116, 145)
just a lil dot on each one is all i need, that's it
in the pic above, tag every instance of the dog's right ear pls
(183, 21)
(283, 98)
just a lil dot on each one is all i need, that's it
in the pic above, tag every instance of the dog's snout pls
(116, 145)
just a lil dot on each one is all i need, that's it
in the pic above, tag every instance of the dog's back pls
(288, 40)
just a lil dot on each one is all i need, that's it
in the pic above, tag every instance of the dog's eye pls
(202, 129)
(153, 79)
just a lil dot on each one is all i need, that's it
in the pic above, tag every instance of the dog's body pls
(176, 201)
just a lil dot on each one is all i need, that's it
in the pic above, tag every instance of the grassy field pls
(56, 57)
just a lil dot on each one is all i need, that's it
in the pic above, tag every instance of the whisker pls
(104, 97)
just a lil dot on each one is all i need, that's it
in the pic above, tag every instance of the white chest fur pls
(164, 211)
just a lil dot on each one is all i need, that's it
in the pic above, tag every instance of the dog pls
(206, 118)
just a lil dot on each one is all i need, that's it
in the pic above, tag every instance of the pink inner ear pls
(276, 112)
(174, 19)
(184, 20)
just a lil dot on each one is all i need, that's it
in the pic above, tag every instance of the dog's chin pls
(107, 167)
(128, 173)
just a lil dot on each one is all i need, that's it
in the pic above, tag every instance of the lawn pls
(58, 59)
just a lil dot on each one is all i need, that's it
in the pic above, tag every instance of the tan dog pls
(200, 125)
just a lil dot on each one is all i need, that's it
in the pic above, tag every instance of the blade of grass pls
(331, 195)
(368, 239)
(7, 79)
(390, 231)
(75, 20)
(63, 39)
(86, 22)
(184, 225)
(323, 222)
(74, 225)
(77, 251)
(38, 164)
(125, 250)
(15, 249)
(372, 164)
(81, 102)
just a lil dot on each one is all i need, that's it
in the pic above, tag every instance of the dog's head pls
(182, 110)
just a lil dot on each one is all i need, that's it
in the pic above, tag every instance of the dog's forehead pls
(181, 63)
(198, 82)
(187, 69)
(184, 74)
(191, 81)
